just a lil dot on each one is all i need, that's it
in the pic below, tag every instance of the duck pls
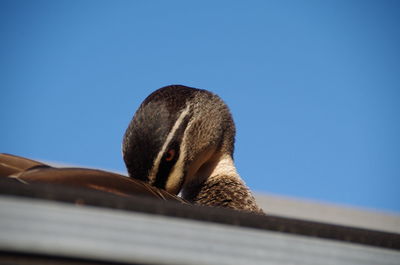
(181, 139)
(178, 146)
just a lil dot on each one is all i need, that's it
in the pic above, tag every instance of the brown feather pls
(11, 164)
(30, 171)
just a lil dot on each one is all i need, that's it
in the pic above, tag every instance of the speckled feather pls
(225, 191)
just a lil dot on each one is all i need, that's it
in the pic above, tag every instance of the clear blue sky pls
(314, 86)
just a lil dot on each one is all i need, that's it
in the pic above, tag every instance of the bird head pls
(176, 137)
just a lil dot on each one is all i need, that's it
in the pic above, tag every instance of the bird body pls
(28, 171)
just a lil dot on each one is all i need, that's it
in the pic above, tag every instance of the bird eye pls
(170, 155)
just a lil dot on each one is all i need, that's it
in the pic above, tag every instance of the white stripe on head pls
(174, 178)
(156, 163)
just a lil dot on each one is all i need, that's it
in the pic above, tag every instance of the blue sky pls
(314, 86)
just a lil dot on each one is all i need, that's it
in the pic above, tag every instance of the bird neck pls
(222, 188)
(225, 166)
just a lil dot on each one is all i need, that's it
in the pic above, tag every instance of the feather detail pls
(224, 191)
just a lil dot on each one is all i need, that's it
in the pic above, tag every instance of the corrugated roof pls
(58, 229)
(43, 221)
